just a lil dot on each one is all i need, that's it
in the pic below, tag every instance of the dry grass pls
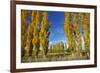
(54, 57)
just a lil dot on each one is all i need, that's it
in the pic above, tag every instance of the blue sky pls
(57, 27)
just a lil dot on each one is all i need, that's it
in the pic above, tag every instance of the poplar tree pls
(87, 34)
(77, 33)
(68, 27)
(44, 33)
(85, 22)
(29, 45)
(36, 29)
(24, 26)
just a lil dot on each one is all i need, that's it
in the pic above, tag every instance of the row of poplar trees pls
(34, 36)
(75, 31)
